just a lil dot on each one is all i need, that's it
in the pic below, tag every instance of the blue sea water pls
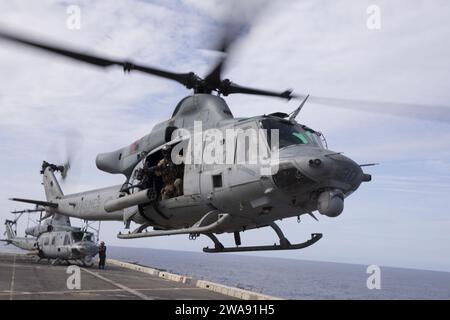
(293, 279)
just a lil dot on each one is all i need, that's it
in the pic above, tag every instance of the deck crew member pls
(102, 255)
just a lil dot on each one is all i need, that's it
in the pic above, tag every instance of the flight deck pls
(22, 277)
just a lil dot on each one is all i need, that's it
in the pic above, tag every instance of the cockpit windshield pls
(77, 236)
(291, 133)
(88, 236)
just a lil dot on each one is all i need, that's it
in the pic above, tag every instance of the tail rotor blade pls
(73, 143)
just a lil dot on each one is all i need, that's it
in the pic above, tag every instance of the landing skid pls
(209, 230)
(284, 243)
(286, 246)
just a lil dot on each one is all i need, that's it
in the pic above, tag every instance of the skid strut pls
(284, 243)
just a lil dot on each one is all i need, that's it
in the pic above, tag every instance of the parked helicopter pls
(55, 241)
(227, 197)
(54, 238)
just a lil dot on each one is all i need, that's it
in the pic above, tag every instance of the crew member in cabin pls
(170, 174)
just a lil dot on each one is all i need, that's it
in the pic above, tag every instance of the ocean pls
(289, 278)
(293, 279)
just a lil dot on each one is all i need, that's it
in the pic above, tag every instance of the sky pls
(51, 107)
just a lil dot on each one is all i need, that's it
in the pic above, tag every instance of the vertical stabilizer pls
(51, 185)
(10, 234)
(53, 191)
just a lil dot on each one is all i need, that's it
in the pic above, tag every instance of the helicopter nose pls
(336, 177)
(87, 249)
(332, 170)
(91, 250)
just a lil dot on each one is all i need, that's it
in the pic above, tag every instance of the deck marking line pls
(13, 277)
(7, 292)
(121, 286)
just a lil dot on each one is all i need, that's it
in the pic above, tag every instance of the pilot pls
(169, 174)
(102, 255)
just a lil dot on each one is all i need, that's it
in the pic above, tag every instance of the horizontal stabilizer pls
(28, 211)
(37, 202)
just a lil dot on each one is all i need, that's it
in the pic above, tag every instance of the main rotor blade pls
(183, 78)
(228, 38)
(227, 87)
(238, 22)
(404, 110)
(36, 202)
(215, 76)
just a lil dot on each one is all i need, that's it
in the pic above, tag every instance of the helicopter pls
(301, 176)
(55, 239)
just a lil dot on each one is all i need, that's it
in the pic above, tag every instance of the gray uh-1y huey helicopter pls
(53, 238)
(228, 197)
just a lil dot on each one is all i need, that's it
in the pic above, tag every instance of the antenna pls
(297, 111)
